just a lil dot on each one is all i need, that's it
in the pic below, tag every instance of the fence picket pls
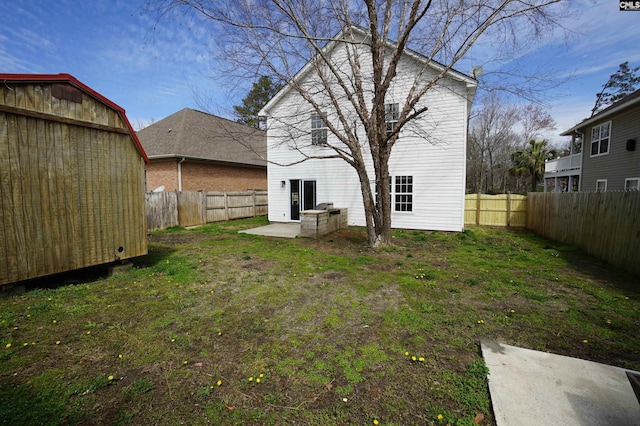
(162, 210)
(496, 210)
(189, 208)
(605, 225)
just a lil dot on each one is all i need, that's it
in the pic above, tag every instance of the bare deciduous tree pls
(277, 37)
(497, 129)
(535, 121)
(491, 139)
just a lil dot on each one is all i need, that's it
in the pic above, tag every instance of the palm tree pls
(529, 161)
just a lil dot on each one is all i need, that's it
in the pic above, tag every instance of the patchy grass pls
(225, 328)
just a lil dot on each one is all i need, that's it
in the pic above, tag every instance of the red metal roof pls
(46, 78)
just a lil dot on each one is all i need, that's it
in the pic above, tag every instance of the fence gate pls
(496, 210)
(190, 208)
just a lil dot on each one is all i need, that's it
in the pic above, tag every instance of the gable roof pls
(341, 37)
(621, 105)
(68, 78)
(197, 135)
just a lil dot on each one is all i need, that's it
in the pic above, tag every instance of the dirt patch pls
(331, 276)
(178, 239)
(257, 265)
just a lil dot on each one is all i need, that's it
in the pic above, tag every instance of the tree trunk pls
(377, 216)
(383, 231)
(369, 207)
(491, 172)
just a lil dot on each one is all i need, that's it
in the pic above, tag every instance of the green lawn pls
(216, 327)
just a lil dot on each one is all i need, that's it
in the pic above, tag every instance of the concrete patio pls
(534, 388)
(276, 229)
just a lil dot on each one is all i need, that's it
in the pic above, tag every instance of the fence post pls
(226, 206)
(509, 209)
(253, 199)
(203, 206)
(206, 207)
(478, 209)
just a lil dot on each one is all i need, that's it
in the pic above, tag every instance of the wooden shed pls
(71, 178)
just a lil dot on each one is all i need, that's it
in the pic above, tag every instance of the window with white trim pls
(400, 193)
(601, 185)
(318, 130)
(600, 137)
(403, 194)
(632, 184)
(391, 116)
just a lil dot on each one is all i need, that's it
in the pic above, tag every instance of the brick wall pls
(204, 176)
(162, 173)
(216, 177)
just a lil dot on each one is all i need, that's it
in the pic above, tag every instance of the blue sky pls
(113, 47)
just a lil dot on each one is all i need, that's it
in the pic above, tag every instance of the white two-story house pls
(427, 164)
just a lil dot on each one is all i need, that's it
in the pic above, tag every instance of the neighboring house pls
(427, 164)
(71, 178)
(611, 157)
(563, 174)
(192, 151)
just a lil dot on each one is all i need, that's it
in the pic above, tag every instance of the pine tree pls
(620, 84)
(261, 92)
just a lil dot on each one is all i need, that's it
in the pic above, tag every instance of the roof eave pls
(209, 160)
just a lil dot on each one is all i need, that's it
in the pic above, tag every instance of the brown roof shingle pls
(198, 135)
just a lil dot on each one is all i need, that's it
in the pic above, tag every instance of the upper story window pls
(391, 115)
(318, 129)
(632, 184)
(600, 137)
(403, 194)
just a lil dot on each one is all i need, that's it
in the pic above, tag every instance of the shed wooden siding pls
(432, 149)
(71, 183)
(619, 164)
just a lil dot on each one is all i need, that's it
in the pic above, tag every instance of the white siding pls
(432, 150)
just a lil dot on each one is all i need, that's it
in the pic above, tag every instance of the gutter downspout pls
(180, 174)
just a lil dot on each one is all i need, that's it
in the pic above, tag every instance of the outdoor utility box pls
(71, 178)
(631, 145)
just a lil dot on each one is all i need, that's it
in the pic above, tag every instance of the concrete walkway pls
(277, 229)
(537, 388)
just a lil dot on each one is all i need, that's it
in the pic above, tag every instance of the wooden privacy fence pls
(495, 210)
(604, 224)
(190, 208)
(162, 210)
